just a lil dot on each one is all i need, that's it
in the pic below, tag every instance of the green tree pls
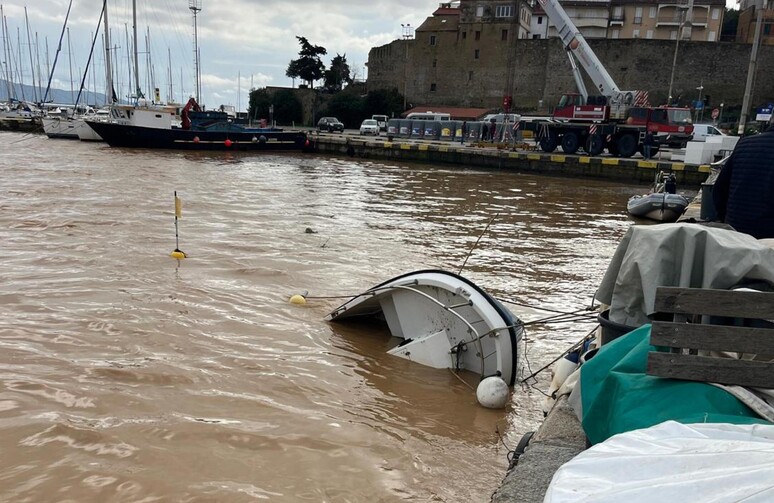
(383, 101)
(309, 67)
(338, 74)
(347, 107)
(730, 22)
(287, 108)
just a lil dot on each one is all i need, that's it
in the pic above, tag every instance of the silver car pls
(369, 126)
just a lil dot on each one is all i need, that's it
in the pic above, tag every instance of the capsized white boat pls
(445, 321)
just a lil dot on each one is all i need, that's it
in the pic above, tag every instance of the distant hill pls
(61, 96)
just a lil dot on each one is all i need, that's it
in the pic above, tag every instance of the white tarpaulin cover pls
(672, 462)
(682, 255)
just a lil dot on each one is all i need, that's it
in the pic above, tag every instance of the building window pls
(435, 63)
(711, 36)
(470, 76)
(464, 35)
(653, 12)
(636, 34)
(616, 33)
(478, 35)
(432, 39)
(504, 11)
(535, 37)
(480, 11)
(650, 34)
(476, 53)
(618, 13)
(432, 87)
(504, 35)
(715, 14)
(673, 35)
(767, 29)
(540, 19)
(638, 15)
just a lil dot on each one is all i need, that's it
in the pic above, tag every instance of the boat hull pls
(445, 321)
(64, 129)
(130, 136)
(661, 207)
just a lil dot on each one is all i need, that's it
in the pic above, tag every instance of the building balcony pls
(590, 22)
(698, 21)
(617, 19)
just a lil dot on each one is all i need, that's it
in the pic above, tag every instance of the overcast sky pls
(252, 38)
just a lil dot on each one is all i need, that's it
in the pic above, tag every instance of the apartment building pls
(748, 18)
(665, 19)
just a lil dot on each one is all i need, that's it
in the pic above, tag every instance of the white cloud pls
(256, 38)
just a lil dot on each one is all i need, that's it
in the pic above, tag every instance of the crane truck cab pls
(670, 125)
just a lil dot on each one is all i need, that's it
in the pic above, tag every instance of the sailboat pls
(154, 126)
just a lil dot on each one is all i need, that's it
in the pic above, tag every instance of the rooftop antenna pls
(196, 7)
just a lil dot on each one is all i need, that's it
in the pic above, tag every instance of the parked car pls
(501, 118)
(381, 120)
(369, 126)
(330, 124)
(702, 131)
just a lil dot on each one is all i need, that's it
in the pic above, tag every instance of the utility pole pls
(752, 68)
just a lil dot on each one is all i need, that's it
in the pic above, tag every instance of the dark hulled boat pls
(210, 130)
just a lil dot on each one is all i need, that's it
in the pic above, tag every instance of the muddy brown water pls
(127, 376)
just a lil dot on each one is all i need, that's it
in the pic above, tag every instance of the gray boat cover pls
(683, 255)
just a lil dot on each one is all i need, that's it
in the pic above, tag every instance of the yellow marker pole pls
(177, 253)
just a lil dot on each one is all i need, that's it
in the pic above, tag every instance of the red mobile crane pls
(614, 119)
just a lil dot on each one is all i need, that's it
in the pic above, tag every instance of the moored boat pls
(662, 203)
(445, 321)
(210, 130)
(659, 206)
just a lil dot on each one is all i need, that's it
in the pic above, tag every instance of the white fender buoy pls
(492, 393)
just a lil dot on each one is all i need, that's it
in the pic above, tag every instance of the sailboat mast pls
(196, 7)
(56, 57)
(138, 93)
(20, 64)
(109, 97)
(171, 95)
(6, 54)
(32, 64)
(70, 56)
(37, 58)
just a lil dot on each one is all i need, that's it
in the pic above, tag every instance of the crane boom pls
(575, 43)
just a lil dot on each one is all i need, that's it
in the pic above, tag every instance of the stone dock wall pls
(538, 162)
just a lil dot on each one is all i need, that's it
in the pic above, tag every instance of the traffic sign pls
(715, 113)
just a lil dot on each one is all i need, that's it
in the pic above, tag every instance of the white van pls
(381, 120)
(429, 116)
(702, 131)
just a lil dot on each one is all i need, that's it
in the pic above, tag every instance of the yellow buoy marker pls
(177, 253)
(299, 299)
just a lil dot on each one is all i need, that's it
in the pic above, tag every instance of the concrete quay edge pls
(484, 156)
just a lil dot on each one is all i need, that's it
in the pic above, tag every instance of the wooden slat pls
(758, 341)
(732, 303)
(718, 370)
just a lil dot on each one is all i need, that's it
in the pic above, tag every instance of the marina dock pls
(520, 156)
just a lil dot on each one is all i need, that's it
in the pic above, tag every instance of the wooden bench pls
(685, 336)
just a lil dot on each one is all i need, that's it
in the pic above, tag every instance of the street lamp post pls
(683, 23)
(699, 101)
(406, 35)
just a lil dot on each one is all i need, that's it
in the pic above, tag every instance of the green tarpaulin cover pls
(617, 396)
